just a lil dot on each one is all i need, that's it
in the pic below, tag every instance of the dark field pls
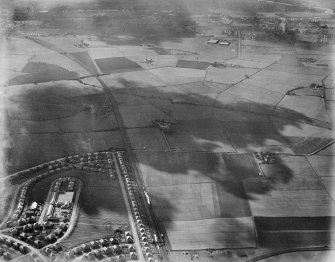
(117, 65)
(292, 239)
(42, 72)
(193, 64)
(293, 223)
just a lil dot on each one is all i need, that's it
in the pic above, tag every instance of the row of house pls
(144, 234)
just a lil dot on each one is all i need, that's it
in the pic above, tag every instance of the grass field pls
(200, 135)
(257, 94)
(228, 75)
(102, 210)
(311, 107)
(193, 64)
(146, 138)
(141, 115)
(188, 188)
(204, 234)
(173, 76)
(301, 198)
(60, 60)
(85, 60)
(117, 65)
(136, 79)
(322, 165)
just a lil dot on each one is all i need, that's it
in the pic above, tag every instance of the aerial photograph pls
(167, 130)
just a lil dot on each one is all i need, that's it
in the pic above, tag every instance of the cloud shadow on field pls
(200, 129)
(250, 127)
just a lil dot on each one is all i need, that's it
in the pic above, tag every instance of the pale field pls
(173, 76)
(228, 75)
(137, 79)
(322, 165)
(309, 106)
(256, 94)
(300, 198)
(203, 234)
(107, 52)
(158, 61)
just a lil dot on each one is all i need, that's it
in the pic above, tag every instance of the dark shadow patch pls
(41, 72)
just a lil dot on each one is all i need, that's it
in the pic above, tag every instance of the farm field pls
(116, 65)
(146, 138)
(233, 233)
(188, 188)
(311, 107)
(228, 75)
(312, 256)
(302, 198)
(322, 165)
(85, 60)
